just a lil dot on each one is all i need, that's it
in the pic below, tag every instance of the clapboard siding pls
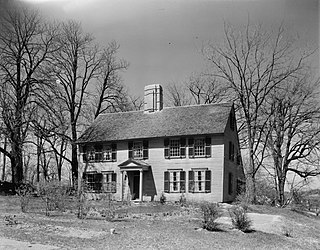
(153, 179)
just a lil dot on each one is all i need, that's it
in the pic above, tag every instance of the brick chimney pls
(153, 98)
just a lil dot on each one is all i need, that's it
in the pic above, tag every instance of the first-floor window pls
(101, 182)
(93, 182)
(200, 181)
(174, 181)
(109, 182)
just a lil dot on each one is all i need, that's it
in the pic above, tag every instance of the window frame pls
(144, 149)
(109, 182)
(206, 147)
(180, 149)
(179, 183)
(204, 182)
(96, 153)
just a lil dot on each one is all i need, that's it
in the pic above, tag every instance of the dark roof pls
(174, 121)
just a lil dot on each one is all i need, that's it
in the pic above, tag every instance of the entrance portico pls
(132, 178)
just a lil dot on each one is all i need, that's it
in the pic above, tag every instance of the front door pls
(135, 189)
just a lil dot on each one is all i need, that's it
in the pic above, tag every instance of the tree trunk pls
(281, 197)
(17, 163)
(74, 156)
(4, 160)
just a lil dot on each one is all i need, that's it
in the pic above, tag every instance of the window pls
(100, 152)
(199, 147)
(200, 181)
(138, 149)
(109, 183)
(174, 181)
(232, 121)
(175, 148)
(105, 182)
(231, 151)
(94, 182)
(230, 184)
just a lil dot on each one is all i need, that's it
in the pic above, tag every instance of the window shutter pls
(208, 181)
(191, 181)
(182, 182)
(182, 147)
(232, 151)
(191, 147)
(114, 183)
(208, 146)
(130, 146)
(166, 182)
(114, 152)
(98, 182)
(145, 149)
(166, 148)
(84, 157)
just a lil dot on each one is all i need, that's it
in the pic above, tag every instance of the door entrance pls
(135, 188)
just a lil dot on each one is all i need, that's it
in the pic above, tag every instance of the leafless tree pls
(110, 91)
(26, 42)
(251, 63)
(178, 95)
(294, 126)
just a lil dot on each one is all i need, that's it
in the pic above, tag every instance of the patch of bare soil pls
(151, 226)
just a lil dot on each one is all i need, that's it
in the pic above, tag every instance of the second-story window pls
(199, 147)
(100, 152)
(175, 148)
(138, 149)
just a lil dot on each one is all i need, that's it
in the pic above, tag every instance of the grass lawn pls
(152, 226)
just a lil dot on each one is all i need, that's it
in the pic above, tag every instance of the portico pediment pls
(134, 165)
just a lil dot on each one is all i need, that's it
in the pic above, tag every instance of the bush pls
(210, 213)
(25, 193)
(54, 194)
(183, 200)
(240, 219)
(163, 199)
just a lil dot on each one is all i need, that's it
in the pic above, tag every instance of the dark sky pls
(162, 39)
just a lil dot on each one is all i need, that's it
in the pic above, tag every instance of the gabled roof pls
(174, 121)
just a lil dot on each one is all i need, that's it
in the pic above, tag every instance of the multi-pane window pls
(94, 182)
(109, 183)
(138, 149)
(199, 181)
(175, 148)
(199, 147)
(100, 152)
(101, 182)
(174, 181)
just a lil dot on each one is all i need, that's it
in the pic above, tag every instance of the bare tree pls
(178, 95)
(110, 92)
(294, 135)
(251, 63)
(26, 43)
(205, 89)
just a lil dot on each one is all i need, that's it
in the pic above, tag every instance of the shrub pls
(25, 193)
(210, 213)
(240, 219)
(54, 194)
(182, 200)
(163, 199)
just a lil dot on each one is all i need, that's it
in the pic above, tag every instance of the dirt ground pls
(153, 227)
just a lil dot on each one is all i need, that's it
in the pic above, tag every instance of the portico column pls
(123, 174)
(140, 186)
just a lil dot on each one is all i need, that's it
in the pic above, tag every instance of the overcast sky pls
(161, 39)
